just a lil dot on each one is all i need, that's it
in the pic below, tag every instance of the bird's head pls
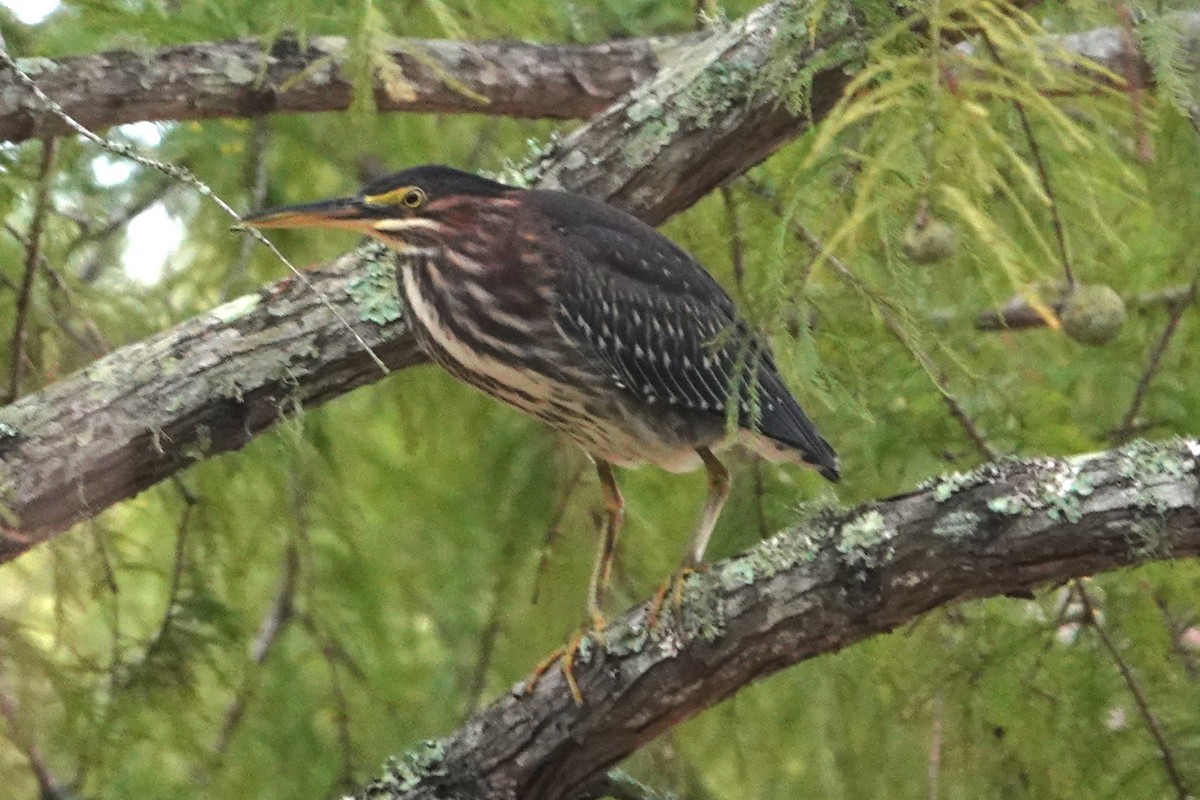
(416, 207)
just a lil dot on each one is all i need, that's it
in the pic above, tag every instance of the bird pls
(588, 319)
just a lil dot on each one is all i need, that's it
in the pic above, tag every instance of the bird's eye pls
(413, 198)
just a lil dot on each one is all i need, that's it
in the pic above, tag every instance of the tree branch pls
(211, 384)
(248, 78)
(832, 581)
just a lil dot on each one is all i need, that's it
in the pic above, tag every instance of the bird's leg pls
(693, 557)
(614, 516)
(718, 491)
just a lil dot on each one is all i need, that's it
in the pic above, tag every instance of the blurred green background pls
(436, 545)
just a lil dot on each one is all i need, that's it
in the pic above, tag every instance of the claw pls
(566, 656)
(675, 586)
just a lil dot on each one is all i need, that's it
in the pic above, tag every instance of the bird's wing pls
(666, 331)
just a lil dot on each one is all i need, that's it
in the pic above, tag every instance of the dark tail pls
(782, 419)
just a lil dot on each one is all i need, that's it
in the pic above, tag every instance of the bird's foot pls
(673, 586)
(566, 657)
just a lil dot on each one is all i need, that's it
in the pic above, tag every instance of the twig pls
(1176, 629)
(335, 656)
(278, 617)
(256, 179)
(936, 733)
(554, 529)
(491, 631)
(896, 327)
(49, 787)
(184, 176)
(99, 346)
(179, 565)
(33, 245)
(1043, 172)
(1017, 314)
(109, 575)
(1124, 431)
(120, 219)
(891, 319)
(737, 258)
(1139, 696)
(737, 248)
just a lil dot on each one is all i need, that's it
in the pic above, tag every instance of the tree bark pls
(248, 78)
(831, 581)
(211, 384)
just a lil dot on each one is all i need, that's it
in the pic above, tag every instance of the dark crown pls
(437, 181)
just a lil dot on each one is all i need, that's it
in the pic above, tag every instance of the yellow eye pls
(413, 198)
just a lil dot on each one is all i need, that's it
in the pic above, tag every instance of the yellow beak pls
(344, 212)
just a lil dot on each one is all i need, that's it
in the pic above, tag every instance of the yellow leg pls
(718, 490)
(614, 516)
(693, 557)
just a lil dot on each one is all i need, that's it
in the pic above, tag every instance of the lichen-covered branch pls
(211, 384)
(1018, 314)
(247, 78)
(829, 582)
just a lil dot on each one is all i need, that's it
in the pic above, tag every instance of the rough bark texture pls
(202, 388)
(834, 580)
(209, 385)
(247, 78)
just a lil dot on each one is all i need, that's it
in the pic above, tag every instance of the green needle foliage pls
(278, 621)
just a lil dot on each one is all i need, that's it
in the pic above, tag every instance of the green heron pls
(585, 317)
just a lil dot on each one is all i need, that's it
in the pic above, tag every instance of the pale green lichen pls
(375, 293)
(949, 485)
(736, 573)
(236, 309)
(527, 171)
(866, 540)
(14, 419)
(105, 371)
(1008, 505)
(36, 65)
(654, 120)
(1063, 498)
(807, 44)
(782, 552)
(649, 140)
(958, 525)
(1148, 538)
(645, 108)
(409, 770)
(626, 638)
(715, 91)
(1062, 491)
(203, 444)
(1145, 464)
(238, 73)
(703, 613)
